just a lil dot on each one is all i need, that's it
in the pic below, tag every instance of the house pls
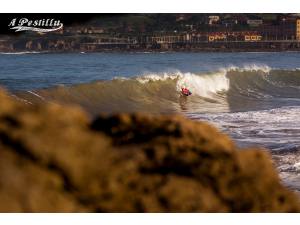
(213, 19)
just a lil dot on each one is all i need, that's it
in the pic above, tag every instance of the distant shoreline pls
(152, 51)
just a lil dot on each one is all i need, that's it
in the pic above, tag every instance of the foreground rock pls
(53, 159)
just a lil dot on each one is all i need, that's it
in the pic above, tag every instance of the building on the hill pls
(298, 29)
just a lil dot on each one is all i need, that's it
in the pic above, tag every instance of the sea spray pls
(204, 85)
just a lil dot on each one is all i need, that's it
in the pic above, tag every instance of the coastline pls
(153, 51)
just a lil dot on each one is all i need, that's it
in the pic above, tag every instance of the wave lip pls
(152, 77)
(249, 68)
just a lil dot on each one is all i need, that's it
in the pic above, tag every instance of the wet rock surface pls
(54, 159)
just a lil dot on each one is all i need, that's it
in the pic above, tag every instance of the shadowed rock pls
(53, 159)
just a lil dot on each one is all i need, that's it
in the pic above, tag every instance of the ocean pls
(253, 97)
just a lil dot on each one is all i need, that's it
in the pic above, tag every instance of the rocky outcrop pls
(54, 159)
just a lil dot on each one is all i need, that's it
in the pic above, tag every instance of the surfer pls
(185, 91)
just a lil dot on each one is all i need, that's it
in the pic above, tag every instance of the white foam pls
(296, 166)
(19, 53)
(275, 128)
(35, 94)
(21, 99)
(249, 67)
(202, 84)
(205, 85)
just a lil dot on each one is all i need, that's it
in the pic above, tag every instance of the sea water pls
(253, 97)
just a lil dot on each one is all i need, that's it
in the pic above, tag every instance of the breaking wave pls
(225, 90)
